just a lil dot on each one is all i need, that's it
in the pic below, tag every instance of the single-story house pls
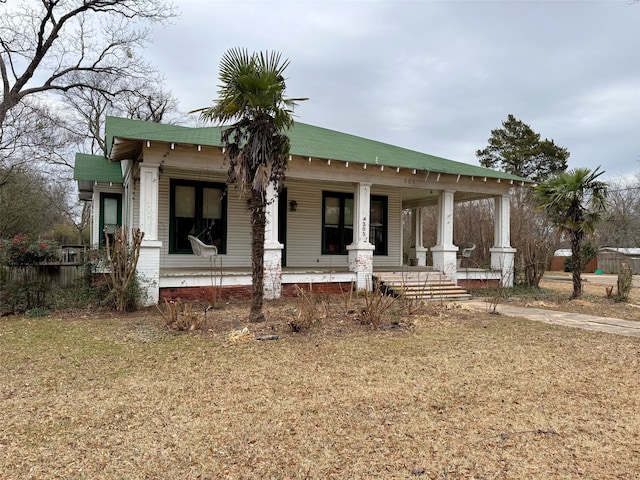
(337, 221)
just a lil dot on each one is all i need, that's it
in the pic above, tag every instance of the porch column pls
(361, 250)
(502, 255)
(444, 252)
(272, 261)
(417, 252)
(149, 261)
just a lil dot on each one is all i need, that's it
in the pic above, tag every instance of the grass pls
(456, 394)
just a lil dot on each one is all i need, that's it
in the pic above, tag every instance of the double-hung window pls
(337, 223)
(198, 209)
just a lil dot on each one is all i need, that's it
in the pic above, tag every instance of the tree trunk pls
(258, 220)
(576, 262)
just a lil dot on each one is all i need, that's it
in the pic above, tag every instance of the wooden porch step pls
(421, 285)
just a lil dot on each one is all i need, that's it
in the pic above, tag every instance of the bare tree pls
(64, 65)
(622, 219)
(58, 46)
(141, 99)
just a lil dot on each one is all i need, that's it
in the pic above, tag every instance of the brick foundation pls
(289, 290)
(471, 284)
(206, 294)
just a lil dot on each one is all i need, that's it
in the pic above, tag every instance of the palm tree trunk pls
(576, 262)
(258, 220)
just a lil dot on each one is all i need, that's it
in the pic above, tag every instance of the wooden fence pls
(64, 275)
(612, 263)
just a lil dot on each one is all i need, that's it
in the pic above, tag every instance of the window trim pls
(199, 192)
(103, 196)
(347, 195)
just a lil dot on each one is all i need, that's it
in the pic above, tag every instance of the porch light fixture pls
(293, 206)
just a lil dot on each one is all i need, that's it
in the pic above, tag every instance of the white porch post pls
(417, 251)
(361, 250)
(272, 261)
(444, 252)
(149, 261)
(502, 255)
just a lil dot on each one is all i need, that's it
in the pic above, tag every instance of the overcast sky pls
(433, 76)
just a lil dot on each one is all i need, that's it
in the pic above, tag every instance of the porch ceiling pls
(412, 197)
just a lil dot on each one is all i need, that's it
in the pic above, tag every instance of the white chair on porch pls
(466, 249)
(201, 249)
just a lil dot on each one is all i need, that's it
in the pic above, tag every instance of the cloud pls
(433, 76)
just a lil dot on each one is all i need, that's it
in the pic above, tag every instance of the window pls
(110, 215)
(337, 223)
(198, 209)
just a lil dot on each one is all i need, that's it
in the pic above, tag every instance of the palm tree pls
(252, 95)
(575, 202)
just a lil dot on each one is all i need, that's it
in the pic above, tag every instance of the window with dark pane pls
(198, 209)
(337, 223)
(110, 215)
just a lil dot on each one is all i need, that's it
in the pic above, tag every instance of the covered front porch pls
(225, 283)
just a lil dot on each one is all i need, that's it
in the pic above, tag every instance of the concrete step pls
(421, 285)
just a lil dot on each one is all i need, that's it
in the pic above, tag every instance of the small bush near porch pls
(451, 394)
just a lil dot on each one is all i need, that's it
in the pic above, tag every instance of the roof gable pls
(96, 168)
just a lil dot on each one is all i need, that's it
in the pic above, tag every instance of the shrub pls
(21, 251)
(24, 281)
(308, 310)
(181, 317)
(625, 282)
(125, 292)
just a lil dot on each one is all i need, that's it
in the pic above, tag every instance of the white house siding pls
(238, 226)
(304, 226)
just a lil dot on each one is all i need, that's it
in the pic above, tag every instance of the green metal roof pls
(96, 168)
(306, 141)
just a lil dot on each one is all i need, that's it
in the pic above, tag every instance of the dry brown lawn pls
(450, 394)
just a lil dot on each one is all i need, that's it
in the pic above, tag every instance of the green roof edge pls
(96, 168)
(307, 141)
